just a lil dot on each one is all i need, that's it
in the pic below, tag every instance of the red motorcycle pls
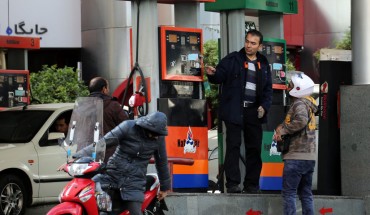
(82, 196)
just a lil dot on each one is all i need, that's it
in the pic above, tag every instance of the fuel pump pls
(138, 102)
(182, 100)
(14, 88)
(272, 165)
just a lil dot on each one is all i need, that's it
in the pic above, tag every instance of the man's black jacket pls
(231, 74)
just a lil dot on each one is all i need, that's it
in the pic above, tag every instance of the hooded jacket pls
(127, 167)
(302, 144)
(231, 74)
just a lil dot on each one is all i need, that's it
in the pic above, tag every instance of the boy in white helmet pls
(299, 161)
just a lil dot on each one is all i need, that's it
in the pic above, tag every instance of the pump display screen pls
(172, 38)
(20, 79)
(193, 39)
(180, 51)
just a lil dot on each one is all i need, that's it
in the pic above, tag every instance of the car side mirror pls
(59, 136)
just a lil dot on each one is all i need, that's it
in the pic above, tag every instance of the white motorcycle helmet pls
(303, 85)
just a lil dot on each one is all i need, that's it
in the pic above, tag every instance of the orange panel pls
(279, 86)
(19, 42)
(166, 76)
(272, 170)
(177, 138)
(199, 167)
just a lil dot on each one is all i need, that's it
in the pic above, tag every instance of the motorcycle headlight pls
(77, 169)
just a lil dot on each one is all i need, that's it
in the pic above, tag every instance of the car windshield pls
(21, 126)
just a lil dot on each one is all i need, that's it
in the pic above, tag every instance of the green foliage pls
(346, 42)
(210, 51)
(289, 65)
(316, 55)
(56, 85)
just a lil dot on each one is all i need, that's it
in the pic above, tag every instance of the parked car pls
(30, 156)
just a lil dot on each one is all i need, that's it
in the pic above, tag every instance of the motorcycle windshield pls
(86, 127)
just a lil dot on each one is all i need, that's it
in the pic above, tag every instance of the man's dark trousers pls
(252, 131)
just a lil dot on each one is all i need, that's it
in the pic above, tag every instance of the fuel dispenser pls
(272, 165)
(181, 99)
(14, 88)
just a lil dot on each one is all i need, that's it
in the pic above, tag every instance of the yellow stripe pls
(199, 167)
(272, 170)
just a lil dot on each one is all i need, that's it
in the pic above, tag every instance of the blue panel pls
(271, 183)
(189, 181)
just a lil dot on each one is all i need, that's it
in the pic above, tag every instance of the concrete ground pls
(235, 204)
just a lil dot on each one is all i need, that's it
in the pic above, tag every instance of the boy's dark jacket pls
(231, 74)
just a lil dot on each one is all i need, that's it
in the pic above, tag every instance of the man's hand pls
(64, 165)
(261, 112)
(161, 195)
(277, 134)
(210, 70)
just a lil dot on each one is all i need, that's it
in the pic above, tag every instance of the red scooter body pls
(79, 196)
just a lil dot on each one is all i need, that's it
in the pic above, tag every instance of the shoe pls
(234, 189)
(251, 190)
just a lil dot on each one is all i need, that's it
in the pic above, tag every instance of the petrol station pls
(15, 82)
(167, 57)
(170, 63)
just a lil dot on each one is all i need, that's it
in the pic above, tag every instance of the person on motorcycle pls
(139, 140)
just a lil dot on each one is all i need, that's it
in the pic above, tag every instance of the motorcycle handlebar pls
(178, 160)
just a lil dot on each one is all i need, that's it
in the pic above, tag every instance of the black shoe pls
(234, 189)
(251, 190)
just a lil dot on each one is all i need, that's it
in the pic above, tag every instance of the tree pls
(210, 51)
(56, 85)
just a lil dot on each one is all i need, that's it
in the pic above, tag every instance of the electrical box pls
(14, 88)
(335, 70)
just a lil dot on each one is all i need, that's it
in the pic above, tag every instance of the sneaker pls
(234, 189)
(251, 190)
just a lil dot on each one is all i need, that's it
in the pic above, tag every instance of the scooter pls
(82, 196)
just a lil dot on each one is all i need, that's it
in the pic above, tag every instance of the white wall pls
(61, 19)
(325, 22)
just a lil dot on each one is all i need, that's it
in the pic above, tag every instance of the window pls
(21, 126)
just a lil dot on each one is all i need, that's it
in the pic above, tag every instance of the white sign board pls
(56, 22)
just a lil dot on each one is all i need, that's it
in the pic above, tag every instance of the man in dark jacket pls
(246, 96)
(138, 140)
(113, 113)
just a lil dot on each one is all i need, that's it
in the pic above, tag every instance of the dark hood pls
(155, 122)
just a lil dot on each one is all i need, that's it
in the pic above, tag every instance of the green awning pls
(279, 6)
